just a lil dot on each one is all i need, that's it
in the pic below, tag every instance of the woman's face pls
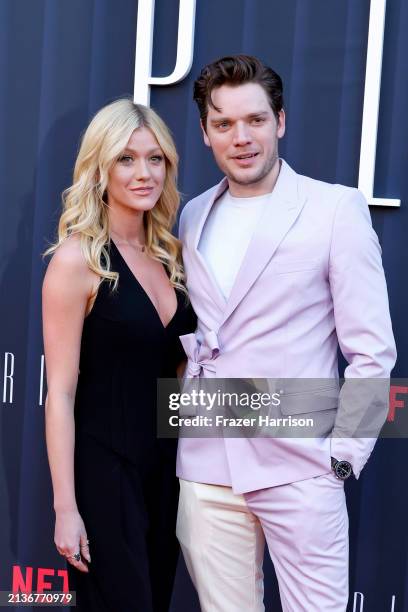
(136, 179)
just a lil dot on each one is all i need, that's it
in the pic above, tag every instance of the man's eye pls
(258, 120)
(223, 125)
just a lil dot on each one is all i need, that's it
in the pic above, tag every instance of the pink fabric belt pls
(201, 355)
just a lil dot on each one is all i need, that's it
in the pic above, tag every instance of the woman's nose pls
(142, 172)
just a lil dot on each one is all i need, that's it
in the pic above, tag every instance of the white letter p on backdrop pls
(144, 47)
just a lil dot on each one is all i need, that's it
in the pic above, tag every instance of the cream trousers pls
(305, 525)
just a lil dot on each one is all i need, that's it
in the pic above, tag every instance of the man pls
(281, 269)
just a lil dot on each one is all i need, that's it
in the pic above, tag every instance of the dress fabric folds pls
(125, 477)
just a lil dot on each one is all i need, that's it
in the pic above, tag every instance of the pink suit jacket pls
(311, 279)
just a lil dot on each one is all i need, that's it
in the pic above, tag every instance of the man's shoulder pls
(198, 201)
(332, 191)
(194, 207)
(318, 192)
(331, 196)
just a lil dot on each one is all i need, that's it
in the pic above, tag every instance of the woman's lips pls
(142, 190)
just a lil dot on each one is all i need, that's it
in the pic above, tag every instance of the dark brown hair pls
(236, 70)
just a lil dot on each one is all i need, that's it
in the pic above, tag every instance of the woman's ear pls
(98, 185)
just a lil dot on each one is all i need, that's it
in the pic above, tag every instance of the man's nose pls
(242, 135)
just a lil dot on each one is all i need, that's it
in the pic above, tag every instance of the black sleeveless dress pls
(125, 477)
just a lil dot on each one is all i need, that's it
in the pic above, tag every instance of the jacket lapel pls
(282, 210)
(202, 270)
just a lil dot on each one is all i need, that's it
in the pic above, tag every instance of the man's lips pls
(247, 155)
(244, 160)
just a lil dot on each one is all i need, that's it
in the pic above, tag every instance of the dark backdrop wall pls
(60, 61)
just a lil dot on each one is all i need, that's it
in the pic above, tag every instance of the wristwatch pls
(342, 469)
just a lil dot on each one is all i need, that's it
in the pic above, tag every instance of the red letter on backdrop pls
(41, 584)
(65, 586)
(394, 402)
(19, 585)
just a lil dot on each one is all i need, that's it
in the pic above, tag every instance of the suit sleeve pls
(363, 329)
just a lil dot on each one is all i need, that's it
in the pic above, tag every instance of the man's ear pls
(205, 137)
(280, 132)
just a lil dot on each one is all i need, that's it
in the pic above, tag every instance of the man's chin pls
(245, 178)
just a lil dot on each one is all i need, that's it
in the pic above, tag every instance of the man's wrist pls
(342, 469)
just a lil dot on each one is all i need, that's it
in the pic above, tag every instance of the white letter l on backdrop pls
(368, 147)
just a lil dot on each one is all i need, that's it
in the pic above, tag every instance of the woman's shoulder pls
(68, 263)
(69, 252)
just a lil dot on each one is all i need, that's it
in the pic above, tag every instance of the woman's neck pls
(127, 228)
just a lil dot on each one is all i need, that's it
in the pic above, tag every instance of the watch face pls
(343, 469)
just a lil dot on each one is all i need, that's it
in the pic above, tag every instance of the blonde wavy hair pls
(85, 211)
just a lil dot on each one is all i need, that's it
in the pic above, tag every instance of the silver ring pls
(76, 556)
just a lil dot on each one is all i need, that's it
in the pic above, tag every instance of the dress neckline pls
(134, 277)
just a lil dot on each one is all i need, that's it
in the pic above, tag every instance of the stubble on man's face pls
(243, 134)
(263, 172)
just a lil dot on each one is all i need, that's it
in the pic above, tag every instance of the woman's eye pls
(157, 159)
(125, 159)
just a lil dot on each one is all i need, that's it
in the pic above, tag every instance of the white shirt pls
(226, 236)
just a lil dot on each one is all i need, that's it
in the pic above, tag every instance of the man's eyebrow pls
(258, 114)
(216, 120)
(219, 119)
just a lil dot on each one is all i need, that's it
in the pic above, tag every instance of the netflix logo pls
(38, 580)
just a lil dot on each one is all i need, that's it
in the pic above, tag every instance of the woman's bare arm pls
(67, 289)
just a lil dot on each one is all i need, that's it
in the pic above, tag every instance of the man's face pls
(243, 135)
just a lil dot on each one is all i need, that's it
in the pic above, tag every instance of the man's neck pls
(263, 187)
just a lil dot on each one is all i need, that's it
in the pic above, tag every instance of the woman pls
(114, 305)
